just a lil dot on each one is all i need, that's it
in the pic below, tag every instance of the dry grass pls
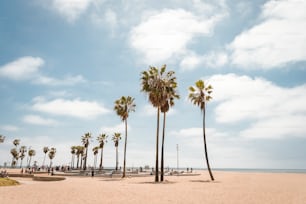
(8, 182)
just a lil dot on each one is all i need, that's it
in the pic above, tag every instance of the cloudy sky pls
(63, 63)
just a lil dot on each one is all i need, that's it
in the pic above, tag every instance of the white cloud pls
(9, 128)
(166, 34)
(241, 98)
(279, 38)
(149, 110)
(74, 108)
(22, 69)
(67, 81)
(110, 130)
(71, 9)
(212, 59)
(38, 120)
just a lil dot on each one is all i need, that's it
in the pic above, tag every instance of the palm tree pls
(51, 155)
(154, 82)
(170, 94)
(31, 153)
(102, 138)
(123, 107)
(45, 150)
(85, 140)
(73, 152)
(116, 137)
(199, 95)
(2, 138)
(16, 142)
(14, 153)
(79, 152)
(22, 151)
(95, 152)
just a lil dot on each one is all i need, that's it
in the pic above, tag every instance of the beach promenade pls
(229, 187)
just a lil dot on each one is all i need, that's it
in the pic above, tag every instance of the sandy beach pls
(229, 187)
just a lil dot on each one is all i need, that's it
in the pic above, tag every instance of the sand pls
(229, 187)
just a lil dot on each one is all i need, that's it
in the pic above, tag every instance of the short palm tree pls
(123, 107)
(16, 142)
(85, 141)
(2, 138)
(73, 152)
(102, 139)
(51, 155)
(199, 96)
(95, 152)
(14, 153)
(31, 154)
(79, 153)
(22, 151)
(116, 138)
(45, 150)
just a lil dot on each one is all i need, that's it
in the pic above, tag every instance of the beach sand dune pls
(229, 187)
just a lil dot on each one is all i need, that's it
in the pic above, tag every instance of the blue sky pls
(63, 63)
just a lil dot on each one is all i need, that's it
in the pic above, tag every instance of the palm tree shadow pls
(111, 179)
(162, 183)
(204, 181)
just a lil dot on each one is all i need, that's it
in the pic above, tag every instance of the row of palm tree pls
(160, 86)
(21, 153)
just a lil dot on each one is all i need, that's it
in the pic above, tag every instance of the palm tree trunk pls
(125, 142)
(101, 159)
(157, 141)
(205, 147)
(81, 165)
(44, 159)
(116, 158)
(30, 161)
(78, 159)
(162, 150)
(85, 160)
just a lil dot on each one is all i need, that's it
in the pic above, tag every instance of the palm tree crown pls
(2, 138)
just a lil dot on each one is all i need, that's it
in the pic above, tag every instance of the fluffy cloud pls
(9, 128)
(22, 69)
(149, 110)
(166, 34)
(279, 38)
(74, 108)
(71, 9)
(274, 111)
(67, 81)
(27, 68)
(212, 59)
(38, 120)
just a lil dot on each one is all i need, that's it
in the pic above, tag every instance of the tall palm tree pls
(45, 150)
(152, 84)
(170, 93)
(73, 153)
(2, 138)
(116, 137)
(85, 141)
(14, 153)
(79, 153)
(123, 107)
(102, 139)
(199, 96)
(51, 155)
(22, 151)
(95, 152)
(31, 154)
